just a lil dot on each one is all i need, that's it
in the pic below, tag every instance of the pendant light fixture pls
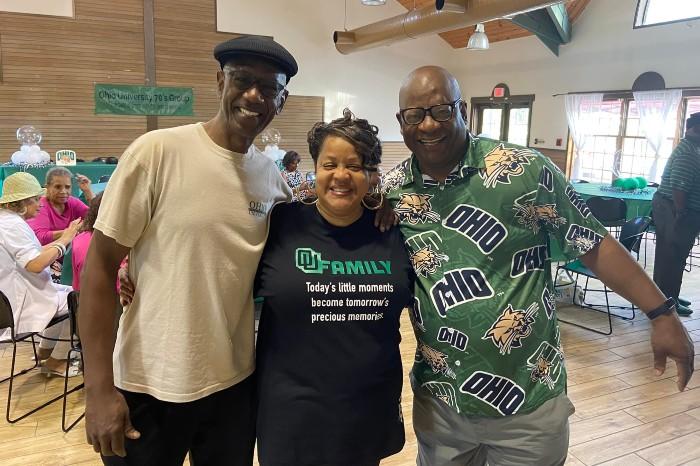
(478, 40)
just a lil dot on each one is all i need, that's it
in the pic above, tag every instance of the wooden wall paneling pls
(50, 66)
(299, 115)
(557, 156)
(190, 63)
(393, 153)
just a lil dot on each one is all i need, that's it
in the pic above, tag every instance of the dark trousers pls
(674, 240)
(217, 430)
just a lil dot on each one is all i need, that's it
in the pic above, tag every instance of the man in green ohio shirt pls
(478, 216)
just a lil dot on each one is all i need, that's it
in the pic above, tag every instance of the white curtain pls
(655, 109)
(582, 116)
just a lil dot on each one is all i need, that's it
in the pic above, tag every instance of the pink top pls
(81, 242)
(48, 220)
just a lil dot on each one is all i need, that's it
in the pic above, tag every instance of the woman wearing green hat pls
(25, 278)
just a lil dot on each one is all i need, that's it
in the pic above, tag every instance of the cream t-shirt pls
(195, 216)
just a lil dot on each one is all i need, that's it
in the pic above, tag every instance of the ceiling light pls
(373, 2)
(478, 40)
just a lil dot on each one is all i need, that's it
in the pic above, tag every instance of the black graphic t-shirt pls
(328, 363)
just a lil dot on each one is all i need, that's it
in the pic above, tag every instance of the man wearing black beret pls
(676, 210)
(189, 206)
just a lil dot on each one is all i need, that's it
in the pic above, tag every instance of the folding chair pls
(630, 237)
(75, 347)
(7, 321)
(610, 211)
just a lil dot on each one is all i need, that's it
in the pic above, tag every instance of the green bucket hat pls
(18, 186)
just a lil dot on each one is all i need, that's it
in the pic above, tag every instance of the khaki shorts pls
(447, 438)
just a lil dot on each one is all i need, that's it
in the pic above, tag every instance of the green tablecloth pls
(637, 205)
(92, 170)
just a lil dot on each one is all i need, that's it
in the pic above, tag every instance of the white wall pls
(367, 82)
(605, 54)
(40, 7)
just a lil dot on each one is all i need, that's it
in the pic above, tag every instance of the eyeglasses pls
(243, 81)
(441, 112)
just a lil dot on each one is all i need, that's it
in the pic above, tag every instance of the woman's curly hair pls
(357, 131)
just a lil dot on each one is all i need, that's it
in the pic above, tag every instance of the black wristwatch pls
(666, 308)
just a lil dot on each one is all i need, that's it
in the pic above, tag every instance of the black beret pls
(692, 121)
(258, 47)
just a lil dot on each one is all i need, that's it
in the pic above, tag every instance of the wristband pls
(58, 248)
(667, 307)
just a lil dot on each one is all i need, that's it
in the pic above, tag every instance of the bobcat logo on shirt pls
(502, 163)
(443, 391)
(511, 327)
(426, 261)
(545, 365)
(533, 216)
(425, 252)
(435, 359)
(414, 208)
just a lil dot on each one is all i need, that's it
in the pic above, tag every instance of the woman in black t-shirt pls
(328, 363)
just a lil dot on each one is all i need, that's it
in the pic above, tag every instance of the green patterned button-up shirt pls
(484, 314)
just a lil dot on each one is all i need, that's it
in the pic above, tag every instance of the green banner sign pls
(116, 99)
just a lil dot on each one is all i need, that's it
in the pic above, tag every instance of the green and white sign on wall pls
(116, 99)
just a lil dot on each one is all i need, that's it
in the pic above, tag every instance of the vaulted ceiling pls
(498, 30)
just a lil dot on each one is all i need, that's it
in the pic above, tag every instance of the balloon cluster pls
(30, 153)
(629, 184)
(271, 138)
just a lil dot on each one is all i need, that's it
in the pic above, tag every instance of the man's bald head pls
(440, 139)
(428, 80)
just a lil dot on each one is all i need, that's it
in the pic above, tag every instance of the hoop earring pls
(23, 211)
(376, 207)
(303, 201)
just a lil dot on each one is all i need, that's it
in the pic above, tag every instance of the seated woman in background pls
(58, 207)
(25, 278)
(82, 240)
(290, 172)
(328, 362)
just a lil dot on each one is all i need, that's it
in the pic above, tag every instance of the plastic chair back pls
(610, 211)
(632, 232)
(7, 320)
(73, 298)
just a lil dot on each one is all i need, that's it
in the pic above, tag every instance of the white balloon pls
(17, 158)
(45, 157)
(25, 148)
(34, 148)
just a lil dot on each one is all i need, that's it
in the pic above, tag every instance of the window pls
(597, 157)
(619, 131)
(503, 119)
(652, 12)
